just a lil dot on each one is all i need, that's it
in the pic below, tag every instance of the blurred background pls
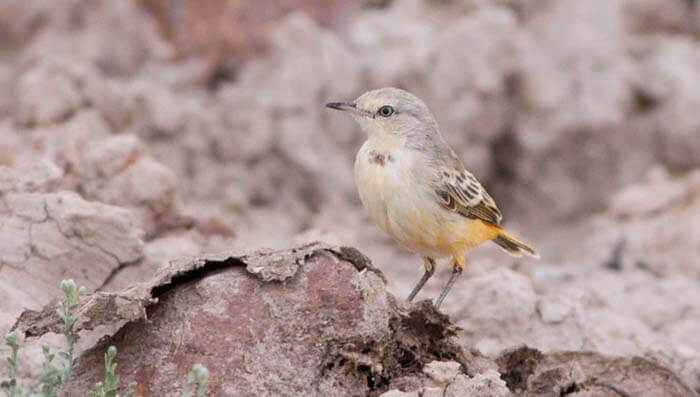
(134, 132)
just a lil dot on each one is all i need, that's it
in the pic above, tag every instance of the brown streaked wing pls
(459, 191)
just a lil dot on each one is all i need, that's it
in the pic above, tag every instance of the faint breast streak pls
(374, 180)
(380, 158)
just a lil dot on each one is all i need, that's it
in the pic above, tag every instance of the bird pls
(416, 188)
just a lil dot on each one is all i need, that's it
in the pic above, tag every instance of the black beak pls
(341, 105)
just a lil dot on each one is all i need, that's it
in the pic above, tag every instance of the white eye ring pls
(385, 111)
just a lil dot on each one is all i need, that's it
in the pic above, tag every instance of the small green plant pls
(13, 389)
(51, 378)
(66, 311)
(111, 383)
(200, 375)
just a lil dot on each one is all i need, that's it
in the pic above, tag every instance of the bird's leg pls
(429, 265)
(457, 265)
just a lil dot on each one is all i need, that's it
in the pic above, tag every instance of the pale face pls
(378, 114)
(388, 113)
(392, 110)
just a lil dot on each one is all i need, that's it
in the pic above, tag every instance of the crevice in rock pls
(643, 101)
(572, 388)
(104, 308)
(113, 273)
(614, 262)
(612, 388)
(208, 267)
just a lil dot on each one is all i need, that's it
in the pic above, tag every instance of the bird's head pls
(391, 113)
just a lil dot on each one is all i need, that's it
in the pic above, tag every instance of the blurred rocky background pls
(136, 132)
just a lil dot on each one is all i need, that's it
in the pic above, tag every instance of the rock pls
(158, 110)
(113, 169)
(157, 253)
(488, 384)
(253, 135)
(497, 306)
(442, 372)
(684, 361)
(51, 235)
(107, 228)
(146, 183)
(66, 143)
(35, 107)
(587, 105)
(319, 318)
(316, 313)
(112, 155)
(475, 83)
(634, 200)
(666, 70)
(110, 98)
(528, 372)
(562, 132)
(117, 170)
(502, 309)
(432, 392)
(40, 175)
(300, 133)
(230, 32)
(21, 20)
(88, 41)
(397, 393)
(562, 322)
(655, 215)
(655, 16)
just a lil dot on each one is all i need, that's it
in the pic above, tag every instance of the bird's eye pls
(385, 111)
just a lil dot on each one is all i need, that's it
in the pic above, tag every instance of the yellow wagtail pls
(416, 188)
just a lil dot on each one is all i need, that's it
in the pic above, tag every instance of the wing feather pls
(459, 191)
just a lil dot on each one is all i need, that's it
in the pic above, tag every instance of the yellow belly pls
(434, 231)
(408, 211)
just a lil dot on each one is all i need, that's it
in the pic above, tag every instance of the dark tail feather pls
(514, 246)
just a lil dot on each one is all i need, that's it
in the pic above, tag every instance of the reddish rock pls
(299, 322)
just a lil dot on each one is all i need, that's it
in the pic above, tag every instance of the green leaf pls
(200, 375)
(50, 376)
(11, 339)
(14, 390)
(100, 391)
(131, 389)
